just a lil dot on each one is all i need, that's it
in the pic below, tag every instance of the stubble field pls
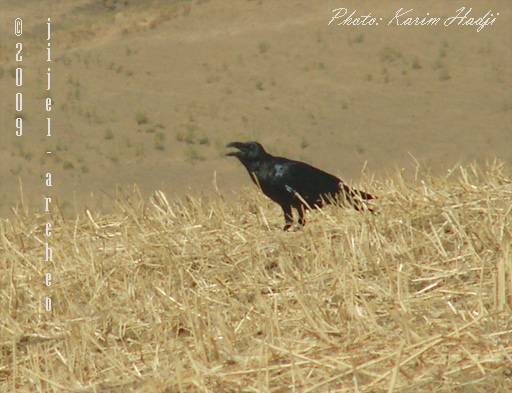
(202, 294)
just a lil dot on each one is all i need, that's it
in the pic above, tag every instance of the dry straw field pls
(209, 295)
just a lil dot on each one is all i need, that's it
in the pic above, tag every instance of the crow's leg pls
(288, 216)
(302, 215)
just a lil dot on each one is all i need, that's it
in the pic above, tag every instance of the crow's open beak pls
(237, 145)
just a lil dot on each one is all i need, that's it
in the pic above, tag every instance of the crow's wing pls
(311, 183)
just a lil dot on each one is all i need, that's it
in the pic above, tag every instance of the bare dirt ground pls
(149, 92)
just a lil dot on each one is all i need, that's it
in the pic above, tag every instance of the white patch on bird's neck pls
(279, 170)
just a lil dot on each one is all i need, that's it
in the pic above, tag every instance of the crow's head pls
(247, 151)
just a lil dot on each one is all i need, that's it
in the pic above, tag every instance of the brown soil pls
(149, 92)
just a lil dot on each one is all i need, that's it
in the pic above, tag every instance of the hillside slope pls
(149, 92)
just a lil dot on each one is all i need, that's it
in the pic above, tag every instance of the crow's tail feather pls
(363, 195)
(357, 198)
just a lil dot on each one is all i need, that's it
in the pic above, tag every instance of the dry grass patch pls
(205, 295)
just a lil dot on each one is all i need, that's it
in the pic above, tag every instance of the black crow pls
(294, 184)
